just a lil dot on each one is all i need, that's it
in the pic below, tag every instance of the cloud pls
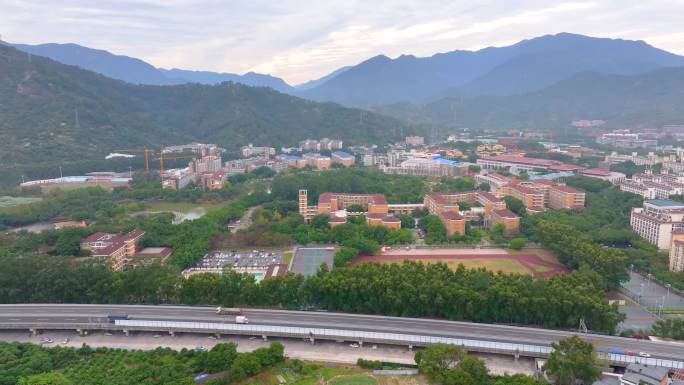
(300, 40)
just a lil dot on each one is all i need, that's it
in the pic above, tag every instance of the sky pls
(300, 40)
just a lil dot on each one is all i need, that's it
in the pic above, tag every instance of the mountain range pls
(523, 67)
(137, 71)
(650, 99)
(52, 111)
(526, 66)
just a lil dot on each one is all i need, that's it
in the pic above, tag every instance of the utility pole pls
(78, 122)
(60, 172)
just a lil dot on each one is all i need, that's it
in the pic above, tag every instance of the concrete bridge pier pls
(126, 333)
(172, 333)
(410, 348)
(361, 343)
(217, 335)
(264, 337)
(34, 331)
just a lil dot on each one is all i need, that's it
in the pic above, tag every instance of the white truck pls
(241, 319)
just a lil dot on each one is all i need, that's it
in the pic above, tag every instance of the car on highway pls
(46, 341)
(354, 345)
(108, 334)
(66, 341)
(200, 348)
(644, 354)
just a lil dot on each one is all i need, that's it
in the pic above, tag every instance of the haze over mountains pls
(51, 111)
(517, 69)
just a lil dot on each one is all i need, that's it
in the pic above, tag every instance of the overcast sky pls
(300, 40)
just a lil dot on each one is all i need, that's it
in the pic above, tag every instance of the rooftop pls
(664, 203)
(342, 154)
(506, 213)
(452, 215)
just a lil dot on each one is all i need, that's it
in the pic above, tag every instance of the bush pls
(369, 364)
(517, 243)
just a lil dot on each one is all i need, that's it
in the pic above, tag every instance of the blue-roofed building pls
(344, 158)
(664, 203)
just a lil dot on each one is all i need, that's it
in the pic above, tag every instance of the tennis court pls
(307, 260)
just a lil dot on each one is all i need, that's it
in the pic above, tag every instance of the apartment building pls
(656, 221)
(343, 158)
(117, 249)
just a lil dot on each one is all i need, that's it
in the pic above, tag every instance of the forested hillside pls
(50, 111)
(650, 99)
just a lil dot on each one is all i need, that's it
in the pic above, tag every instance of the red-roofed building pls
(118, 249)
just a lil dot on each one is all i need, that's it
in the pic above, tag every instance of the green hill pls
(651, 100)
(40, 99)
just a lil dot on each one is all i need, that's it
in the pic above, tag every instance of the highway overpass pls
(323, 325)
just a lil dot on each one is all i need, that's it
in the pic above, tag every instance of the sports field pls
(538, 263)
(307, 260)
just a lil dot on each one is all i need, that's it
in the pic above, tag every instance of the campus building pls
(343, 158)
(249, 151)
(336, 206)
(317, 161)
(657, 220)
(117, 249)
(507, 218)
(521, 163)
(445, 206)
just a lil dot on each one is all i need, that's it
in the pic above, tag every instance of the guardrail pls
(528, 350)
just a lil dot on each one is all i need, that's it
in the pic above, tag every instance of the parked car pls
(644, 354)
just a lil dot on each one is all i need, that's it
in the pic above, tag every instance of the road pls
(46, 314)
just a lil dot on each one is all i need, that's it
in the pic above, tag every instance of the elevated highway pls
(323, 325)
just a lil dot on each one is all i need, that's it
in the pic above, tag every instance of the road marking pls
(71, 319)
(43, 319)
(15, 319)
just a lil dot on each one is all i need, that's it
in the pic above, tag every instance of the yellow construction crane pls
(145, 151)
(163, 157)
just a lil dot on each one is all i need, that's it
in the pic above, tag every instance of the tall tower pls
(304, 204)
